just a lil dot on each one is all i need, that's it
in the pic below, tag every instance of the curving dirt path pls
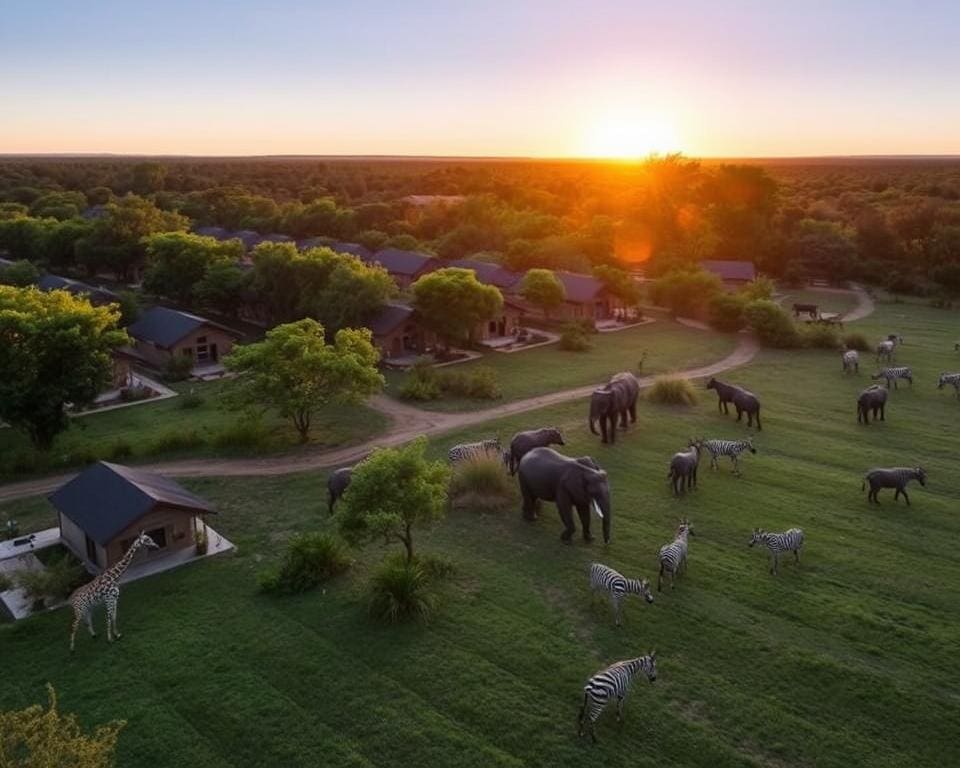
(407, 423)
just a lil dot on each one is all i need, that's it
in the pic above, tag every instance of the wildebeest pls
(872, 400)
(614, 402)
(892, 477)
(743, 401)
(523, 442)
(683, 467)
(336, 484)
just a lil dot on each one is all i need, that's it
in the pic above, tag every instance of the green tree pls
(57, 245)
(45, 738)
(619, 283)
(224, 287)
(129, 305)
(148, 177)
(391, 491)
(773, 326)
(686, 291)
(727, 311)
(294, 371)
(59, 205)
(56, 351)
(542, 288)
(452, 302)
(178, 261)
(20, 274)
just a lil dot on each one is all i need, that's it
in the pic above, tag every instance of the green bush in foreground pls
(672, 390)
(400, 591)
(310, 560)
(62, 574)
(773, 326)
(727, 312)
(573, 339)
(818, 336)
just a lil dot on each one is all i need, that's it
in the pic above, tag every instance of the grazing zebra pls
(604, 578)
(788, 541)
(465, 451)
(892, 374)
(851, 361)
(892, 477)
(614, 681)
(885, 348)
(731, 448)
(673, 556)
(950, 378)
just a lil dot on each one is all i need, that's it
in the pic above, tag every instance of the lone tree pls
(391, 491)
(619, 283)
(43, 738)
(542, 288)
(452, 302)
(55, 350)
(295, 371)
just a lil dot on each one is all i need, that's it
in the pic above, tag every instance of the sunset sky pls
(501, 77)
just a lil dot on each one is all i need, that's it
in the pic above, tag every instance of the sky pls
(490, 78)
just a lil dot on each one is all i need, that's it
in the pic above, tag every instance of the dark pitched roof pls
(275, 237)
(488, 272)
(105, 499)
(730, 270)
(248, 237)
(389, 318)
(216, 232)
(401, 262)
(354, 249)
(94, 212)
(57, 283)
(580, 288)
(312, 242)
(165, 327)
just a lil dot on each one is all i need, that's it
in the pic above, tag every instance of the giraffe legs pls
(112, 619)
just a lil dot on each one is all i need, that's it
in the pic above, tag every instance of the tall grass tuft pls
(856, 341)
(672, 390)
(481, 482)
(310, 560)
(400, 591)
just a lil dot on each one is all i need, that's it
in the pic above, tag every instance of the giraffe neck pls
(116, 571)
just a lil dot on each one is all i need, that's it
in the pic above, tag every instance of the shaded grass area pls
(847, 660)
(166, 428)
(827, 301)
(669, 347)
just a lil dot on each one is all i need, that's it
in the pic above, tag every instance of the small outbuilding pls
(103, 509)
(405, 267)
(398, 333)
(732, 273)
(161, 333)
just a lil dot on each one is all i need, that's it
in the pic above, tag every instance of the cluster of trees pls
(452, 303)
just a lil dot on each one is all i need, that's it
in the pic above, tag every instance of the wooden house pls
(161, 333)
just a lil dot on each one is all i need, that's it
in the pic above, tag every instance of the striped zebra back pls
(604, 577)
(727, 447)
(465, 451)
(949, 378)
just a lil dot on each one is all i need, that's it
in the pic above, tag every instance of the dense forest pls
(889, 222)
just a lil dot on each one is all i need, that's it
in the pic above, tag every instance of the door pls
(213, 352)
(92, 551)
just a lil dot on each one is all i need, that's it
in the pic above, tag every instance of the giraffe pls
(105, 588)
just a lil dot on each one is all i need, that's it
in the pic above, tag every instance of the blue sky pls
(492, 78)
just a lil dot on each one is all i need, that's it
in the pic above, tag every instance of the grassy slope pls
(141, 425)
(848, 660)
(669, 347)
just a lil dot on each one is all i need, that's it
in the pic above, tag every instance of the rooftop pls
(730, 270)
(401, 262)
(165, 327)
(389, 318)
(488, 272)
(77, 288)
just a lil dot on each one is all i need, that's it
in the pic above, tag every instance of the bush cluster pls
(672, 390)
(178, 368)
(62, 574)
(573, 339)
(428, 383)
(481, 482)
(773, 326)
(856, 341)
(310, 560)
(727, 312)
(819, 336)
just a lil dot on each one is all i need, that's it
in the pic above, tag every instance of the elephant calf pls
(613, 402)
(336, 484)
(571, 483)
(872, 400)
(524, 442)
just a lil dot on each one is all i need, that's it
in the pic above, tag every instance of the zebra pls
(950, 378)
(465, 451)
(885, 348)
(851, 361)
(892, 477)
(892, 374)
(604, 578)
(787, 541)
(614, 681)
(731, 448)
(673, 556)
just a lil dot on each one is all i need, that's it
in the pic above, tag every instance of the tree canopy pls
(452, 302)
(178, 261)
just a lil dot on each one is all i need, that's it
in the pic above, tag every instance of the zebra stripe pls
(892, 374)
(604, 578)
(950, 378)
(613, 682)
(731, 448)
(673, 556)
(788, 541)
(465, 451)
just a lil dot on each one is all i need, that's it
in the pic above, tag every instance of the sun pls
(628, 135)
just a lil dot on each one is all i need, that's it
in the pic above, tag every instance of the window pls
(159, 536)
(201, 339)
(203, 352)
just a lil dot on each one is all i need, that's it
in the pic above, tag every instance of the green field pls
(827, 301)
(669, 347)
(147, 429)
(849, 659)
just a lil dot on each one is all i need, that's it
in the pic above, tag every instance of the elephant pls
(336, 484)
(872, 399)
(571, 483)
(524, 442)
(617, 399)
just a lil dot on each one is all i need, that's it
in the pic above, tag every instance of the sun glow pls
(627, 135)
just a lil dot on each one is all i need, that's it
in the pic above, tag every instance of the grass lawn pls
(849, 659)
(166, 428)
(669, 347)
(827, 301)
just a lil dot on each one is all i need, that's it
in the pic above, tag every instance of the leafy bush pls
(81, 456)
(758, 288)
(419, 389)
(310, 560)
(573, 339)
(61, 576)
(400, 591)
(479, 383)
(178, 368)
(856, 341)
(135, 394)
(685, 291)
(175, 440)
(246, 433)
(773, 326)
(5, 582)
(121, 449)
(26, 461)
(437, 567)
(191, 400)
(481, 482)
(672, 390)
(726, 312)
(819, 336)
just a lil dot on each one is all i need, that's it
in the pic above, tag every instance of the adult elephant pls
(614, 402)
(336, 484)
(572, 483)
(873, 399)
(524, 442)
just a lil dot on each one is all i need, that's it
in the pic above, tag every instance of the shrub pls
(479, 383)
(573, 339)
(481, 482)
(245, 433)
(135, 394)
(773, 326)
(310, 560)
(81, 456)
(175, 440)
(27, 461)
(121, 449)
(685, 291)
(758, 288)
(418, 389)
(5, 582)
(819, 336)
(672, 390)
(856, 341)
(400, 591)
(437, 567)
(726, 312)
(61, 576)
(178, 368)
(191, 400)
